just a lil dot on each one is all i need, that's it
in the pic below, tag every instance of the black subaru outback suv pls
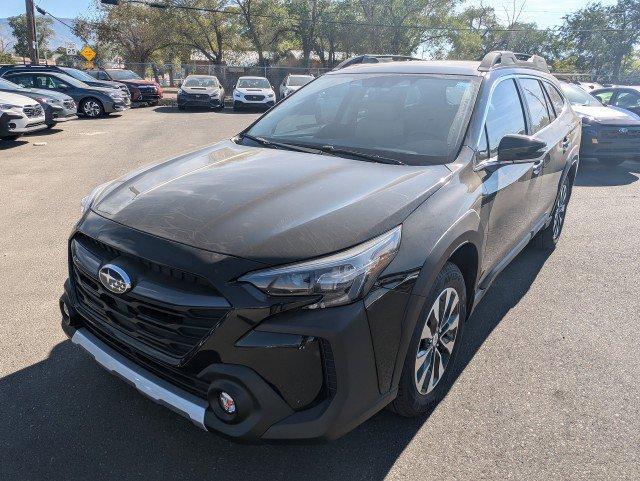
(290, 282)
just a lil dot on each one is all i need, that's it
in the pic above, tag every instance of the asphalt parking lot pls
(548, 380)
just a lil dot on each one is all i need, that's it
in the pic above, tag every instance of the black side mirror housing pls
(516, 147)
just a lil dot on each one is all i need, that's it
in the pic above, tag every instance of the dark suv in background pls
(141, 91)
(290, 282)
(609, 134)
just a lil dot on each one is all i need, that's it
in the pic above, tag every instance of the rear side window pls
(505, 115)
(25, 80)
(556, 98)
(535, 100)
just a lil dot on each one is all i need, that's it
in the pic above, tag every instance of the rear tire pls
(548, 237)
(427, 371)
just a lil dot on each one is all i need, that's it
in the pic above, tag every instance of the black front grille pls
(622, 133)
(254, 97)
(182, 379)
(169, 329)
(32, 111)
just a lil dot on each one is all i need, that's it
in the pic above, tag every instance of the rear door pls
(544, 126)
(507, 189)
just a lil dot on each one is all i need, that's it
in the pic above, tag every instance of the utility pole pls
(31, 32)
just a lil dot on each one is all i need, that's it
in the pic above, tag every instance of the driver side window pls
(504, 115)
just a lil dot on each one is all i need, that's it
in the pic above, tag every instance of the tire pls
(92, 108)
(548, 237)
(236, 105)
(423, 383)
(181, 107)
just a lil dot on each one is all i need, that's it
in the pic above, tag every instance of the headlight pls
(270, 95)
(237, 94)
(214, 95)
(588, 120)
(337, 279)
(180, 91)
(85, 203)
(115, 95)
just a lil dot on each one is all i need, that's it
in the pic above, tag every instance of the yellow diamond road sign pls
(88, 53)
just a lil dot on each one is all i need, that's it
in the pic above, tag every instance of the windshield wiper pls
(360, 155)
(281, 145)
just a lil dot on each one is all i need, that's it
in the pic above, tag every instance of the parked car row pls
(36, 97)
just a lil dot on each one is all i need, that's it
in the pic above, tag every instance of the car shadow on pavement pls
(11, 144)
(591, 173)
(66, 418)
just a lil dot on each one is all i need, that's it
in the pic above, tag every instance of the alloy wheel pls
(91, 108)
(561, 209)
(437, 340)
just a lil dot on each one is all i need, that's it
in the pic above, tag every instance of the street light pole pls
(31, 32)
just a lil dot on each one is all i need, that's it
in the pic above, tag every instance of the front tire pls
(427, 371)
(92, 108)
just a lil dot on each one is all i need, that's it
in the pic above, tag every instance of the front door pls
(507, 189)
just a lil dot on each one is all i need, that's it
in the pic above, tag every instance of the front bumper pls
(607, 142)
(117, 105)
(305, 375)
(240, 103)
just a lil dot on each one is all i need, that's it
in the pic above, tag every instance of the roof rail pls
(372, 58)
(504, 58)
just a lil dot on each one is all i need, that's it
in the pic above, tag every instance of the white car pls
(19, 115)
(201, 91)
(292, 82)
(253, 92)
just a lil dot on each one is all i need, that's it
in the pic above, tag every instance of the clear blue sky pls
(546, 13)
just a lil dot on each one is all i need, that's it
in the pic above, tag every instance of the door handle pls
(537, 165)
(566, 142)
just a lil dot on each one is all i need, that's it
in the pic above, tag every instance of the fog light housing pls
(227, 403)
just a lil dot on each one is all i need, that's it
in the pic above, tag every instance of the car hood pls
(253, 91)
(201, 90)
(16, 99)
(607, 115)
(137, 82)
(273, 206)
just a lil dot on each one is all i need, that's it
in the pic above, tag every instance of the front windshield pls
(72, 81)
(78, 74)
(123, 74)
(201, 82)
(5, 84)
(577, 96)
(253, 83)
(299, 80)
(416, 119)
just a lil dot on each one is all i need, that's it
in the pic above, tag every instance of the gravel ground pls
(547, 382)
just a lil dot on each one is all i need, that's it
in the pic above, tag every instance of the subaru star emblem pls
(623, 130)
(114, 279)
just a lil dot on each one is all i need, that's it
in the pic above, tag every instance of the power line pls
(164, 5)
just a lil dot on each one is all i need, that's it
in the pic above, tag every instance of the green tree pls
(602, 38)
(44, 34)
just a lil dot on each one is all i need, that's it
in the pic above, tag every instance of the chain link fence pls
(172, 75)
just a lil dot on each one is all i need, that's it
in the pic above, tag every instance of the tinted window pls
(556, 98)
(414, 118)
(535, 100)
(299, 80)
(505, 114)
(24, 80)
(628, 100)
(48, 82)
(204, 82)
(117, 74)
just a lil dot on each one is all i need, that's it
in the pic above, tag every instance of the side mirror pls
(516, 147)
